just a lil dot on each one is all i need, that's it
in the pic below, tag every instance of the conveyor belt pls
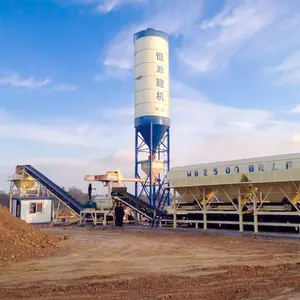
(54, 189)
(136, 204)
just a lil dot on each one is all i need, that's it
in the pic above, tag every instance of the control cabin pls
(33, 210)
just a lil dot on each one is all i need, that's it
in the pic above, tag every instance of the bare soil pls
(134, 263)
(20, 240)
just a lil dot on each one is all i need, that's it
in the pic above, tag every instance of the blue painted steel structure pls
(162, 150)
(152, 130)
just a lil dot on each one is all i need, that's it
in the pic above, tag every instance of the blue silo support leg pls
(150, 173)
(136, 174)
(168, 155)
(158, 176)
(136, 171)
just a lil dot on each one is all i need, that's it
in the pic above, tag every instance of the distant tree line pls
(75, 192)
(78, 194)
(4, 199)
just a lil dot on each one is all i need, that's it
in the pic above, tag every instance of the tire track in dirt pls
(142, 264)
(237, 282)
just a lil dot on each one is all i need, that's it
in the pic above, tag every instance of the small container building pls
(33, 210)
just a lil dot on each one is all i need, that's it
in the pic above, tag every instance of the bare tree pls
(78, 194)
(4, 199)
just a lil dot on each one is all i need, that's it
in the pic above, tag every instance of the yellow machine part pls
(249, 195)
(26, 183)
(208, 198)
(296, 198)
(247, 198)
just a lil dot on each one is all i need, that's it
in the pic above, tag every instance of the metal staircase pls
(161, 206)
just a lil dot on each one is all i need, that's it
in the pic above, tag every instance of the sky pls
(67, 85)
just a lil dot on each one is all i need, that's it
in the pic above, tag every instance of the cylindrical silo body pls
(152, 85)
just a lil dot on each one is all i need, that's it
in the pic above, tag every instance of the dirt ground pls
(134, 263)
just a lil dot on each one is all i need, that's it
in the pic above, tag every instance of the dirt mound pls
(20, 240)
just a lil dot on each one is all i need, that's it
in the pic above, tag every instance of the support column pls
(53, 209)
(168, 158)
(136, 218)
(95, 218)
(240, 210)
(151, 197)
(204, 211)
(174, 220)
(255, 218)
(104, 220)
(204, 219)
(136, 158)
(10, 203)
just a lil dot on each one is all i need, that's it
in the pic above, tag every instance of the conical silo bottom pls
(158, 132)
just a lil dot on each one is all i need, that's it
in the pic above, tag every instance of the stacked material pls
(20, 240)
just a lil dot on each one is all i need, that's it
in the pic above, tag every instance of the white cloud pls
(220, 38)
(126, 113)
(62, 132)
(290, 63)
(119, 54)
(201, 131)
(65, 88)
(13, 79)
(111, 73)
(243, 29)
(68, 172)
(210, 44)
(289, 70)
(173, 17)
(296, 109)
(104, 6)
(212, 132)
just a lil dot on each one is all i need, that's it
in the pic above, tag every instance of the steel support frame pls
(150, 190)
(16, 192)
(13, 192)
(59, 207)
(259, 211)
(255, 204)
(93, 214)
(205, 207)
(62, 211)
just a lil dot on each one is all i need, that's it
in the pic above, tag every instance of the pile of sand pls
(20, 240)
